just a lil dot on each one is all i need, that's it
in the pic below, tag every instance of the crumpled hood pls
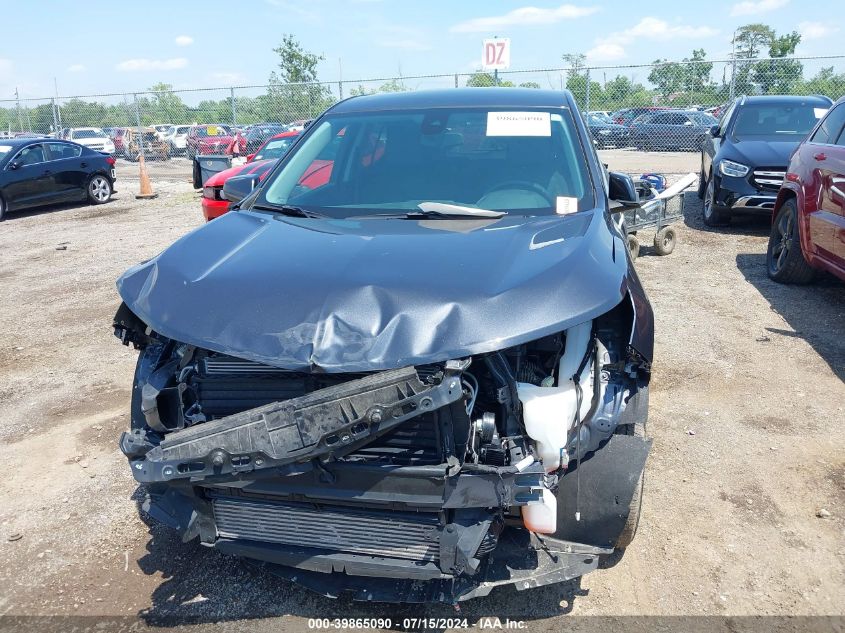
(763, 153)
(349, 295)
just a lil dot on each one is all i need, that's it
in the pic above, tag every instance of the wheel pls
(633, 246)
(784, 260)
(664, 240)
(702, 184)
(712, 214)
(99, 189)
(2, 209)
(636, 506)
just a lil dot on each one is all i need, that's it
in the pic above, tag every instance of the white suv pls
(92, 137)
(176, 137)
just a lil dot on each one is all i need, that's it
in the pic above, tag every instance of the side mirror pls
(622, 192)
(14, 165)
(237, 188)
(714, 131)
(249, 157)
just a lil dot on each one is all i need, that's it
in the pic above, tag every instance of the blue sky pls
(108, 47)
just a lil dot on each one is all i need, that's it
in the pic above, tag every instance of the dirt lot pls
(748, 405)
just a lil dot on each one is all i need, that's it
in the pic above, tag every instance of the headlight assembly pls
(730, 168)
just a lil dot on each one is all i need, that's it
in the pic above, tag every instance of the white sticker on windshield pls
(566, 205)
(819, 112)
(519, 124)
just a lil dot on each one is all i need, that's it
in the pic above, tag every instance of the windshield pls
(275, 149)
(87, 134)
(528, 162)
(183, 129)
(212, 130)
(792, 121)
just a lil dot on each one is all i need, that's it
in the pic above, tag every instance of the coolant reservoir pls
(548, 413)
(541, 516)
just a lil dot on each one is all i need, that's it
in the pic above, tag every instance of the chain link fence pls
(665, 107)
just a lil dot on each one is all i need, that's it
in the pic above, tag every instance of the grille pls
(768, 178)
(386, 534)
(228, 365)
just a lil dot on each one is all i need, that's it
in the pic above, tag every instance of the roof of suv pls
(749, 100)
(456, 97)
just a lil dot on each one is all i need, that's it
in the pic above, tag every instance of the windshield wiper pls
(289, 210)
(443, 210)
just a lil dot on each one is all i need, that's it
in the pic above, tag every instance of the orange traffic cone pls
(146, 188)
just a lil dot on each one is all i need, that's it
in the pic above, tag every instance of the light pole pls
(733, 63)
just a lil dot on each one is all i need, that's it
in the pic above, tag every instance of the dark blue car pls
(36, 172)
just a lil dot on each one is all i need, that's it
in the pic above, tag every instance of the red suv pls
(259, 163)
(808, 226)
(208, 139)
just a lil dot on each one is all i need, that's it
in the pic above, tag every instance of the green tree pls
(780, 75)
(530, 84)
(294, 89)
(577, 62)
(486, 80)
(165, 106)
(667, 76)
(767, 76)
(825, 82)
(618, 88)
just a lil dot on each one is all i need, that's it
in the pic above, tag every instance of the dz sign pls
(496, 54)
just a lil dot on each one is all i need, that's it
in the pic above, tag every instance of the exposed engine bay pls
(514, 466)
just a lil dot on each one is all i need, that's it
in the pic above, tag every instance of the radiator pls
(383, 534)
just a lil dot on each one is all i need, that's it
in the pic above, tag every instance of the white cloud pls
(184, 40)
(75, 68)
(142, 64)
(657, 29)
(816, 30)
(605, 52)
(524, 16)
(749, 7)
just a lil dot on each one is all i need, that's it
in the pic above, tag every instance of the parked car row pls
(783, 157)
(650, 128)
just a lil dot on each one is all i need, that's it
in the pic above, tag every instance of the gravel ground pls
(748, 403)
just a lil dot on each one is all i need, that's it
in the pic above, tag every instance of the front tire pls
(713, 216)
(99, 189)
(2, 209)
(635, 508)
(785, 261)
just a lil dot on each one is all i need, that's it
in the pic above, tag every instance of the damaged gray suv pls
(412, 364)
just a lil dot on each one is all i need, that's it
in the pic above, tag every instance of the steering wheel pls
(524, 185)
